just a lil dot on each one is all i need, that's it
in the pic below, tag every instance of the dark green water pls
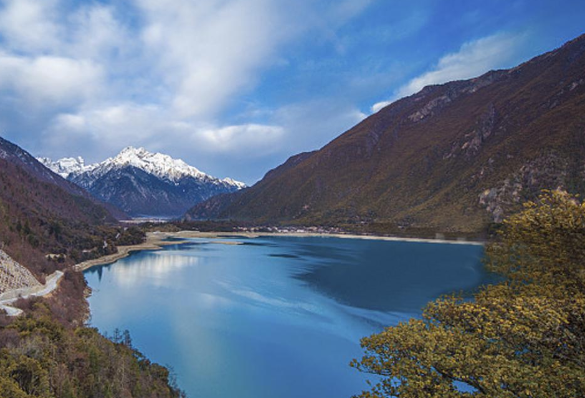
(273, 317)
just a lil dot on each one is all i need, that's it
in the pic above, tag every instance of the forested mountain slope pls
(46, 221)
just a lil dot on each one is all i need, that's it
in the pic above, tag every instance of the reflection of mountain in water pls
(155, 268)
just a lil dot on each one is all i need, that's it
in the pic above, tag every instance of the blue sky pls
(235, 87)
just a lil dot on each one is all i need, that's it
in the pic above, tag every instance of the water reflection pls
(274, 317)
(157, 271)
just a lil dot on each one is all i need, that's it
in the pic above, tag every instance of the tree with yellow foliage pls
(522, 338)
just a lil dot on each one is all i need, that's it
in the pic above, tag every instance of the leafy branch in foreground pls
(521, 338)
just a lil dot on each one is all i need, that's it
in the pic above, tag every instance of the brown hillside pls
(41, 214)
(453, 157)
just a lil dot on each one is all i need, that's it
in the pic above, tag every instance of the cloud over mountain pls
(218, 79)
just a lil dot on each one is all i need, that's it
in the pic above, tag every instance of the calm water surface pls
(272, 317)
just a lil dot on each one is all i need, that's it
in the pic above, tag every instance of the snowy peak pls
(237, 184)
(158, 164)
(66, 166)
(143, 183)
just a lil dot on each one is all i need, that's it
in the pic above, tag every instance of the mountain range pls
(41, 213)
(142, 183)
(453, 157)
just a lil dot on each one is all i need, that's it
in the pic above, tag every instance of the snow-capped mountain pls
(144, 183)
(66, 166)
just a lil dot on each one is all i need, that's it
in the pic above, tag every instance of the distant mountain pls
(66, 166)
(41, 213)
(453, 157)
(144, 183)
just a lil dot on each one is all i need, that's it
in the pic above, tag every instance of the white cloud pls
(95, 33)
(208, 51)
(260, 139)
(473, 59)
(379, 105)
(52, 57)
(97, 76)
(27, 25)
(112, 127)
(50, 81)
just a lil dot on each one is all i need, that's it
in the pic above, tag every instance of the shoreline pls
(157, 240)
(337, 235)
(154, 241)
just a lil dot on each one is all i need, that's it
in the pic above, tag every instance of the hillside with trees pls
(48, 353)
(47, 223)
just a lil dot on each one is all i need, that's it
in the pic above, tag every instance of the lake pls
(273, 316)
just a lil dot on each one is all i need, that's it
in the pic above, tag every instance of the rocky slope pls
(144, 183)
(453, 157)
(13, 275)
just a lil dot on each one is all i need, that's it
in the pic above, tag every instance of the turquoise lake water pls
(274, 317)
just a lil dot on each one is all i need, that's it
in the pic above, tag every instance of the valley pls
(448, 226)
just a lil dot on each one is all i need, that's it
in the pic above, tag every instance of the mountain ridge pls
(144, 183)
(45, 226)
(46, 221)
(452, 157)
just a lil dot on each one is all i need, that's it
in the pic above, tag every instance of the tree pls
(117, 337)
(544, 245)
(522, 338)
(126, 339)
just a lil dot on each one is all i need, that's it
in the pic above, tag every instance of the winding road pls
(51, 283)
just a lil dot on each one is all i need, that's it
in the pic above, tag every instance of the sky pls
(235, 87)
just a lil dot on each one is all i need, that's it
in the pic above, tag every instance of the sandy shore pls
(156, 241)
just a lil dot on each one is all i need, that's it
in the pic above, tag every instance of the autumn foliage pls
(522, 338)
